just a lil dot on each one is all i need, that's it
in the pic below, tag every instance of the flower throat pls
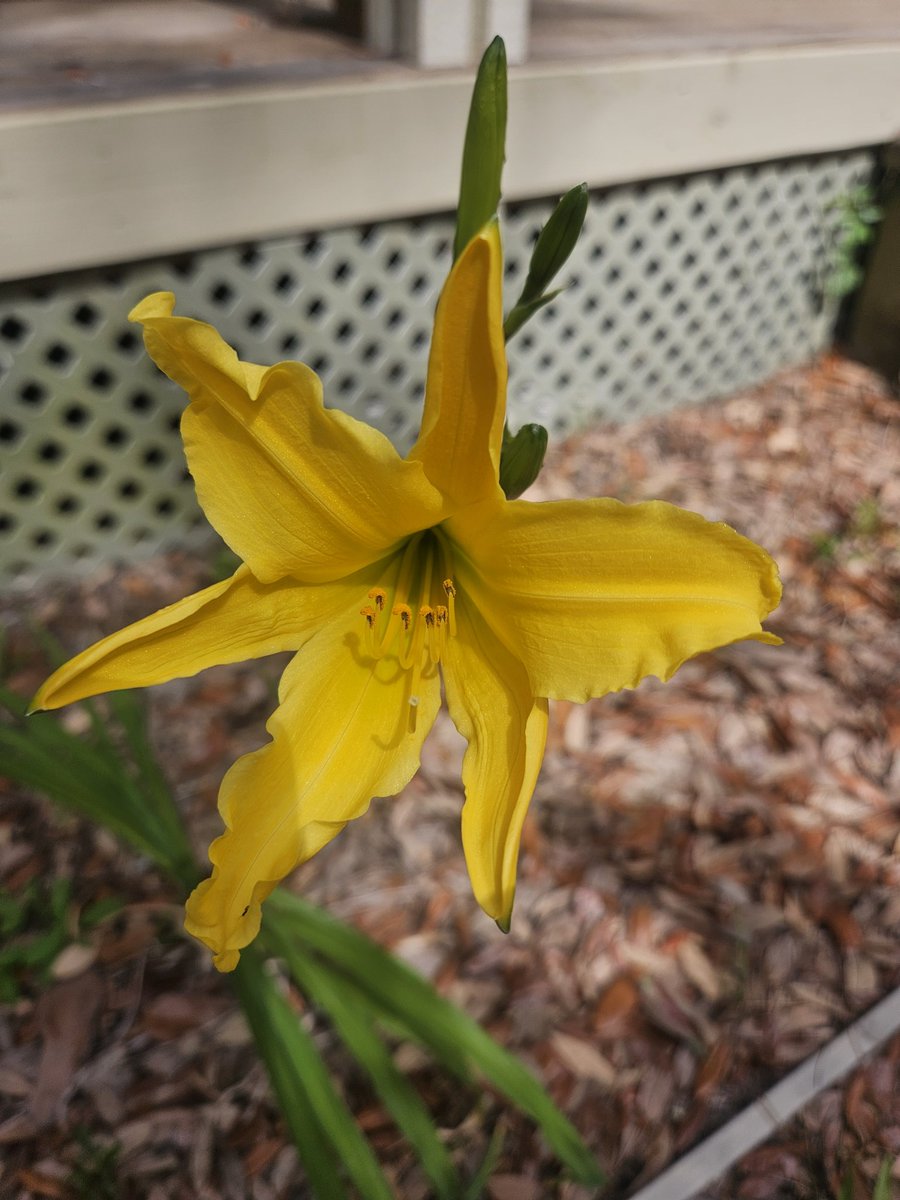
(415, 622)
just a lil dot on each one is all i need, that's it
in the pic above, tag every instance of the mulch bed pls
(708, 882)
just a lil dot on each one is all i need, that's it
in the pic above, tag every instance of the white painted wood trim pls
(108, 183)
(433, 33)
(511, 19)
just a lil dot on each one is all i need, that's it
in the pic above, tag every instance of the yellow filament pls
(432, 635)
(422, 632)
(450, 591)
(412, 658)
(369, 613)
(438, 635)
(379, 596)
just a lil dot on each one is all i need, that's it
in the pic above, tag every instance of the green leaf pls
(475, 1190)
(43, 757)
(844, 281)
(521, 459)
(60, 895)
(321, 1125)
(413, 1005)
(883, 1182)
(9, 990)
(44, 948)
(353, 1022)
(391, 987)
(870, 213)
(95, 913)
(96, 780)
(129, 710)
(484, 149)
(13, 914)
(271, 1021)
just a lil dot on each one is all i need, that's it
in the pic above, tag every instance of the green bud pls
(484, 150)
(554, 245)
(521, 459)
(556, 242)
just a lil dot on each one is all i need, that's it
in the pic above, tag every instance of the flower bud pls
(554, 245)
(521, 459)
(484, 150)
(556, 242)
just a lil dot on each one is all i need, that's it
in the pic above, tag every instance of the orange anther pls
(404, 612)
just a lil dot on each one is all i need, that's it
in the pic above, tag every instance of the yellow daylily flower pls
(385, 574)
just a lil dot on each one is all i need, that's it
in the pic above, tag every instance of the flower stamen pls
(450, 592)
(416, 633)
(369, 613)
(404, 612)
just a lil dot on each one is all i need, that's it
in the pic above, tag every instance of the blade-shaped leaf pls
(883, 1187)
(476, 1188)
(295, 1072)
(393, 989)
(93, 778)
(413, 1005)
(353, 1022)
(76, 777)
(130, 712)
(301, 1079)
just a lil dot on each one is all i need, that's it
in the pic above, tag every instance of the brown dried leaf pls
(514, 1187)
(698, 968)
(42, 1185)
(655, 1092)
(714, 1070)
(845, 928)
(66, 1015)
(584, 1060)
(616, 1007)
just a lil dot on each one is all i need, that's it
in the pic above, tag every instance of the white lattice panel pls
(680, 291)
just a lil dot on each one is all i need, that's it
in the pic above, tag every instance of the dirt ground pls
(708, 881)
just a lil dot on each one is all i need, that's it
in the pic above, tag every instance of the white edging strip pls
(84, 186)
(703, 1165)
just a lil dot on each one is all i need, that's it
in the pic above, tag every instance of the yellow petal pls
(594, 594)
(237, 619)
(465, 394)
(191, 352)
(493, 707)
(294, 488)
(340, 736)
